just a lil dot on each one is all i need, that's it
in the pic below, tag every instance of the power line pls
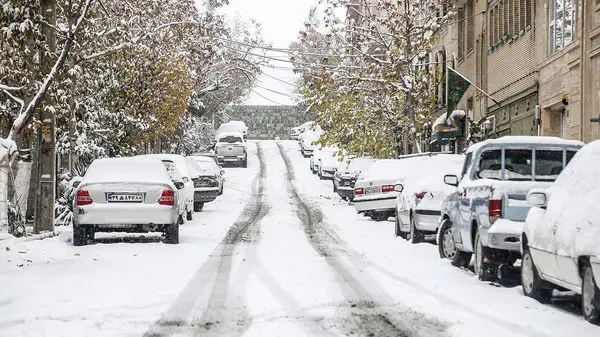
(280, 80)
(276, 92)
(268, 99)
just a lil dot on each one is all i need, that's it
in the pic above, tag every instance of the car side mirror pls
(451, 179)
(185, 179)
(398, 188)
(76, 184)
(537, 198)
(180, 185)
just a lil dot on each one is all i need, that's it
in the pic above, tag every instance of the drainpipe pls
(582, 62)
(538, 120)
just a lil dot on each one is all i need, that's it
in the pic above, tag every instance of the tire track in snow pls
(365, 313)
(216, 318)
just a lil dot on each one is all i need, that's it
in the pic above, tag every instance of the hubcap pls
(527, 275)
(588, 292)
(448, 242)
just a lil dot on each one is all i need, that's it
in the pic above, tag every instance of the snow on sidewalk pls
(415, 276)
(111, 288)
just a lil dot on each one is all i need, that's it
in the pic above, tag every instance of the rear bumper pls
(206, 194)
(231, 159)
(381, 204)
(427, 220)
(327, 173)
(115, 215)
(505, 235)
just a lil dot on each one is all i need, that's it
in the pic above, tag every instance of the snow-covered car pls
(295, 132)
(211, 155)
(344, 179)
(127, 195)
(314, 160)
(329, 162)
(207, 177)
(486, 213)
(231, 148)
(307, 142)
(374, 191)
(177, 168)
(418, 206)
(561, 235)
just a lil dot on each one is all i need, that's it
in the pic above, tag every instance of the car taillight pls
(495, 209)
(359, 191)
(244, 150)
(387, 188)
(167, 198)
(420, 195)
(83, 198)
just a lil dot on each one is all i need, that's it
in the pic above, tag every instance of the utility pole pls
(46, 170)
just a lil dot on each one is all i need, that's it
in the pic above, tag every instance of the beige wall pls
(591, 66)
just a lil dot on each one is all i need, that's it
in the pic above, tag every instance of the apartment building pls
(568, 55)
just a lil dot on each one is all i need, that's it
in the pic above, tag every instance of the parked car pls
(314, 160)
(207, 177)
(231, 148)
(344, 179)
(561, 235)
(178, 170)
(127, 195)
(329, 162)
(485, 214)
(418, 206)
(307, 142)
(295, 132)
(211, 155)
(374, 191)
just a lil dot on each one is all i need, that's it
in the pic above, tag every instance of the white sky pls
(281, 21)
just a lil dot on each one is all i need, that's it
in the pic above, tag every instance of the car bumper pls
(381, 204)
(345, 192)
(126, 214)
(236, 159)
(206, 194)
(427, 220)
(505, 235)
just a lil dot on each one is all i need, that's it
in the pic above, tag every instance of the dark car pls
(343, 180)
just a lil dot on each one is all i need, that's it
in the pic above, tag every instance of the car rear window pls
(230, 139)
(519, 164)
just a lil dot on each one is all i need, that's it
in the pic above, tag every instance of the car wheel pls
(189, 216)
(446, 246)
(589, 294)
(198, 206)
(221, 191)
(245, 164)
(334, 188)
(80, 236)
(533, 285)
(379, 216)
(481, 266)
(416, 236)
(172, 234)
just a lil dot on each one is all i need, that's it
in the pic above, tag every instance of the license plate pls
(371, 190)
(124, 197)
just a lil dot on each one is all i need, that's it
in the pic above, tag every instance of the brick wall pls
(267, 121)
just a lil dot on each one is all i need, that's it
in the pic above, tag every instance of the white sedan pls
(127, 195)
(418, 207)
(374, 191)
(561, 236)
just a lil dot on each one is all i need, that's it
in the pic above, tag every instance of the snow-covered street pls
(279, 254)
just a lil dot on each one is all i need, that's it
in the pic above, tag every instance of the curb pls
(33, 237)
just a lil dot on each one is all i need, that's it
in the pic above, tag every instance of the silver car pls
(127, 195)
(207, 177)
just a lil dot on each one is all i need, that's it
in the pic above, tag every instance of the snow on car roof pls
(177, 159)
(430, 176)
(525, 140)
(392, 168)
(131, 170)
(230, 133)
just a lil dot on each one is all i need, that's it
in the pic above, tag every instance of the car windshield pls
(519, 164)
(230, 139)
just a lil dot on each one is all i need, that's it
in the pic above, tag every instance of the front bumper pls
(121, 215)
(379, 205)
(206, 194)
(505, 235)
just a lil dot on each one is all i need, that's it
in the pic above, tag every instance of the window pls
(490, 164)
(548, 164)
(461, 32)
(230, 139)
(470, 22)
(467, 164)
(562, 24)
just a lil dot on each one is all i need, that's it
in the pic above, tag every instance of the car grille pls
(205, 182)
